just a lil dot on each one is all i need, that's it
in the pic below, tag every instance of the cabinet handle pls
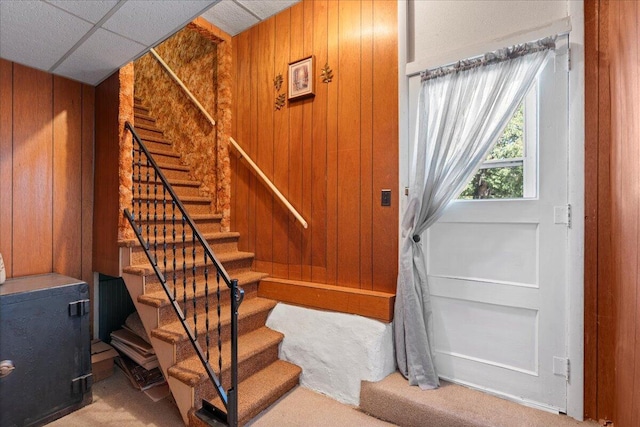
(6, 367)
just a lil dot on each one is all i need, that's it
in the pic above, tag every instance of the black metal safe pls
(45, 349)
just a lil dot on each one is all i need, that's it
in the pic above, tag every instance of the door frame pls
(574, 26)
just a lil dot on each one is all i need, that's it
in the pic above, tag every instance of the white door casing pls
(498, 271)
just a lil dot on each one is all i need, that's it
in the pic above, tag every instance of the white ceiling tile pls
(265, 9)
(150, 21)
(99, 56)
(230, 17)
(92, 11)
(37, 34)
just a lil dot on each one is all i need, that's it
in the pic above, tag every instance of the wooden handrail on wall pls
(268, 182)
(182, 85)
(233, 142)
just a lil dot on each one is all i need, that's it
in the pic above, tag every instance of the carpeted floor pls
(452, 406)
(117, 404)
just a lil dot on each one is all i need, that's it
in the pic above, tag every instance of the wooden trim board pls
(373, 304)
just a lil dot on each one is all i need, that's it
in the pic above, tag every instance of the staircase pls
(262, 377)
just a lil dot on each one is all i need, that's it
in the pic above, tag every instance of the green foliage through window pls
(501, 182)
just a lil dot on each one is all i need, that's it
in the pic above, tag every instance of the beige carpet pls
(116, 403)
(451, 406)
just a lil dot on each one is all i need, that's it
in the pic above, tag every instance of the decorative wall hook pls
(280, 101)
(277, 82)
(326, 73)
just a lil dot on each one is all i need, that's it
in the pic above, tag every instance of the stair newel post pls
(237, 296)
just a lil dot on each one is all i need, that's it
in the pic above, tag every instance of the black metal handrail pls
(154, 177)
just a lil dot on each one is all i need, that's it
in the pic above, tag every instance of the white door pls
(498, 269)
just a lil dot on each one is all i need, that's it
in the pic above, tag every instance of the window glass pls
(507, 173)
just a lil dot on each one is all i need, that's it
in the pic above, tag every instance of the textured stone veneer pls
(336, 351)
(224, 118)
(125, 114)
(203, 64)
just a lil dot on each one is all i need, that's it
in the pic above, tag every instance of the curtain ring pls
(416, 238)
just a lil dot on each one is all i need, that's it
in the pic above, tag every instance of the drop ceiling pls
(89, 40)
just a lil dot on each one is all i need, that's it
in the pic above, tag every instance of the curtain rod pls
(488, 58)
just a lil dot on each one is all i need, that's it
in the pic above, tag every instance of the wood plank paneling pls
(591, 210)
(264, 156)
(67, 175)
(366, 148)
(376, 305)
(332, 144)
(88, 114)
(633, 119)
(318, 218)
(281, 145)
(612, 238)
(296, 51)
(349, 98)
(385, 154)
(307, 144)
(624, 132)
(326, 153)
(242, 175)
(606, 281)
(32, 152)
(6, 165)
(106, 212)
(46, 173)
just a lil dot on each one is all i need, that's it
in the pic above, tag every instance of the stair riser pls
(139, 119)
(234, 267)
(182, 190)
(168, 173)
(143, 133)
(140, 109)
(219, 246)
(194, 208)
(184, 349)
(284, 387)
(246, 368)
(166, 313)
(156, 145)
(204, 225)
(159, 157)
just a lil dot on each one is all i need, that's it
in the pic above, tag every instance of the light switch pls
(386, 198)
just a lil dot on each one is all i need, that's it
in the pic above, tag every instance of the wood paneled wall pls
(612, 201)
(106, 254)
(46, 173)
(330, 155)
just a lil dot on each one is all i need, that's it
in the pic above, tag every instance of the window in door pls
(510, 169)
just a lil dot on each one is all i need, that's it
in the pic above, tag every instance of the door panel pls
(497, 273)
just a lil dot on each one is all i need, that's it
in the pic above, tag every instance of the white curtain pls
(461, 114)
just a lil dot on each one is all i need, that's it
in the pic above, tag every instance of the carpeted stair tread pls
(191, 371)
(263, 388)
(147, 270)
(174, 332)
(451, 405)
(210, 237)
(159, 298)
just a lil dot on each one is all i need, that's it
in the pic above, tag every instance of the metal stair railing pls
(156, 226)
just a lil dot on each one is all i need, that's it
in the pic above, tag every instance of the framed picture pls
(301, 78)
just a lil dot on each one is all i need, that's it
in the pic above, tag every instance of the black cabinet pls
(44, 333)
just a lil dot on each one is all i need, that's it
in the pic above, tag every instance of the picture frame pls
(301, 80)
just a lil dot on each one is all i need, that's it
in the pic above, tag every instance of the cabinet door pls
(49, 348)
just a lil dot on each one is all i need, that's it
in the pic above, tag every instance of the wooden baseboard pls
(376, 305)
